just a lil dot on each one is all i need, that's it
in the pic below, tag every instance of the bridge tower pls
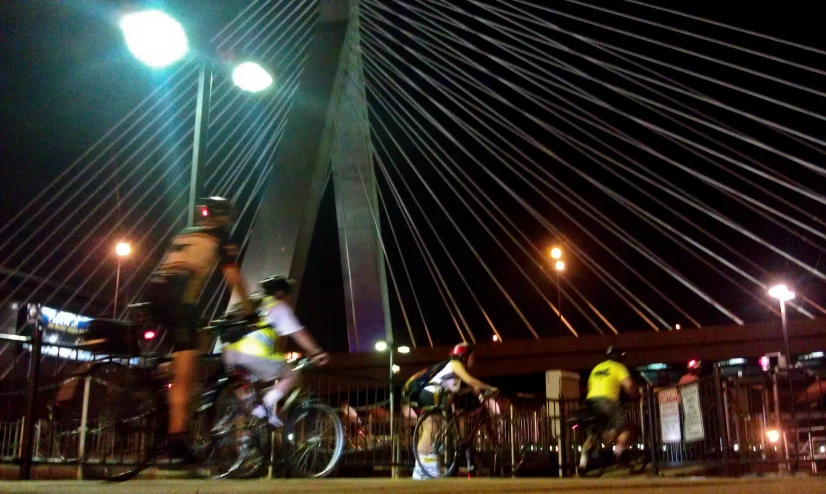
(328, 138)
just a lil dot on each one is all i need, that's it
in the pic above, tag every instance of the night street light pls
(781, 293)
(404, 349)
(381, 346)
(251, 77)
(158, 40)
(556, 253)
(122, 249)
(155, 38)
(559, 266)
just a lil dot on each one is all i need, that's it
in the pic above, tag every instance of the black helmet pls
(210, 207)
(614, 353)
(276, 283)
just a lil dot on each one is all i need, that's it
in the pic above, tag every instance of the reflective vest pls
(261, 343)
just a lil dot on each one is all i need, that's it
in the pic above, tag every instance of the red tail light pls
(149, 335)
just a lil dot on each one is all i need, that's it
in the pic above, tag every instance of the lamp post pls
(559, 266)
(783, 294)
(383, 346)
(158, 40)
(122, 249)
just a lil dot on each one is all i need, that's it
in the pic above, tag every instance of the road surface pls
(768, 485)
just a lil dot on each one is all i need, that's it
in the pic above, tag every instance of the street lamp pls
(783, 294)
(383, 346)
(155, 38)
(122, 250)
(559, 267)
(158, 40)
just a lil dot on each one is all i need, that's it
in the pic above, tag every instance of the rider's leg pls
(586, 449)
(183, 371)
(623, 440)
(285, 383)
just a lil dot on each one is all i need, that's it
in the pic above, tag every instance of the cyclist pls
(260, 353)
(449, 378)
(173, 290)
(605, 385)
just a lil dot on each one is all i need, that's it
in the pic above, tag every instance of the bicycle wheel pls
(639, 463)
(440, 436)
(313, 440)
(227, 442)
(496, 448)
(123, 418)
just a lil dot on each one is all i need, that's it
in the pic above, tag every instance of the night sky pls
(67, 77)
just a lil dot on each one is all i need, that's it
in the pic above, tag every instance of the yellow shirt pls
(606, 380)
(261, 343)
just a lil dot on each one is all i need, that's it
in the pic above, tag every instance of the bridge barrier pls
(722, 424)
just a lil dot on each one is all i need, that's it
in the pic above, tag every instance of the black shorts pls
(611, 411)
(165, 295)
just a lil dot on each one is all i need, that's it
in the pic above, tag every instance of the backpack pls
(419, 380)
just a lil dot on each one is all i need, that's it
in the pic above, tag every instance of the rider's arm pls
(630, 387)
(307, 343)
(236, 281)
(466, 378)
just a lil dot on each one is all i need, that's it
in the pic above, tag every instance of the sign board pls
(669, 400)
(692, 413)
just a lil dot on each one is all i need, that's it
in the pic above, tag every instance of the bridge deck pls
(772, 485)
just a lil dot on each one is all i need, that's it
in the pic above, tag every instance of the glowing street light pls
(155, 38)
(159, 41)
(122, 249)
(251, 77)
(559, 265)
(496, 337)
(556, 253)
(773, 435)
(781, 293)
(381, 346)
(404, 349)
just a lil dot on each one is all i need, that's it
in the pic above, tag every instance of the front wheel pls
(313, 440)
(436, 444)
(497, 447)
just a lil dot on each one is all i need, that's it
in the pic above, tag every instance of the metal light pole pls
(158, 40)
(382, 346)
(122, 250)
(559, 266)
(783, 294)
(200, 137)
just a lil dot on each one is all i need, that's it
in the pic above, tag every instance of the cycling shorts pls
(264, 369)
(611, 411)
(165, 294)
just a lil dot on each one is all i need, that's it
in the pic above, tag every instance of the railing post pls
(721, 417)
(84, 414)
(563, 439)
(653, 447)
(513, 439)
(31, 397)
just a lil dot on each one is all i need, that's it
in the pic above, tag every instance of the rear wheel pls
(440, 436)
(123, 418)
(313, 440)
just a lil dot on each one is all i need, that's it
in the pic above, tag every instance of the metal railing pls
(724, 425)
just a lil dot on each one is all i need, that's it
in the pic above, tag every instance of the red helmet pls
(461, 351)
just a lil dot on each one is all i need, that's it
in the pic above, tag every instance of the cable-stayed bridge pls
(676, 159)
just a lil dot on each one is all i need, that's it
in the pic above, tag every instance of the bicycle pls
(601, 459)
(128, 426)
(488, 443)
